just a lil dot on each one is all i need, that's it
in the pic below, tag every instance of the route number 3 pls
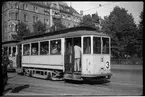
(107, 64)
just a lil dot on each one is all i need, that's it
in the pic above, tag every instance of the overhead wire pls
(97, 6)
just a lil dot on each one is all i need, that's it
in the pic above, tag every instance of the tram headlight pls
(107, 65)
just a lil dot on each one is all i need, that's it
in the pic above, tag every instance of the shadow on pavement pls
(7, 90)
(19, 88)
(14, 89)
(95, 82)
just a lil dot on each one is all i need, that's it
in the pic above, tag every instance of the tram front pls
(96, 57)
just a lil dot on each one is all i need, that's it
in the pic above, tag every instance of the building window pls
(44, 47)
(12, 27)
(16, 27)
(55, 47)
(12, 15)
(46, 21)
(35, 9)
(17, 16)
(34, 48)
(16, 5)
(35, 19)
(25, 18)
(46, 12)
(25, 6)
(26, 49)
(9, 5)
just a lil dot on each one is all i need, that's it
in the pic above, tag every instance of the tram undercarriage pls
(43, 73)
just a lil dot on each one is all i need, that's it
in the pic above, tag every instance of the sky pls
(91, 7)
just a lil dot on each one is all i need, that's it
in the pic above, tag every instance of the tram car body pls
(51, 56)
(10, 49)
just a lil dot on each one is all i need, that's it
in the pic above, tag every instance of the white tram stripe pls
(42, 64)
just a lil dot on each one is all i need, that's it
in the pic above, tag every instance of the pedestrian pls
(4, 75)
(77, 52)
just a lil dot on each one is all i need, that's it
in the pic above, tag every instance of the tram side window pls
(55, 47)
(87, 45)
(14, 51)
(44, 48)
(5, 50)
(34, 49)
(97, 45)
(26, 49)
(105, 45)
(9, 50)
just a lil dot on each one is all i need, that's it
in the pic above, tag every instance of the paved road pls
(121, 83)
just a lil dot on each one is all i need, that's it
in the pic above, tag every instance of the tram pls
(11, 50)
(52, 55)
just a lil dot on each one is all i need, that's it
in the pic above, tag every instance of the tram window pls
(14, 51)
(97, 45)
(5, 50)
(26, 49)
(87, 45)
(44, 48)
(69, 46)
(105, 45)
(34, 49)
(9, 50)
(55, 47)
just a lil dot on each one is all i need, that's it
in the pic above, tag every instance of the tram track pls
(116, 86)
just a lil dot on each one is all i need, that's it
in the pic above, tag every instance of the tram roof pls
(66, 33)
(10, 43)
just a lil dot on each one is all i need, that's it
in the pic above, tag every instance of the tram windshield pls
(96, 45)
(87, 45)
(105, 49)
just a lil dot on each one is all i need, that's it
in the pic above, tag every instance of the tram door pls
(19, 56)
(69, 55)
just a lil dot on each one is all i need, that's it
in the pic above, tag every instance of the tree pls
(140, 36)
(87, 21)
(39, 28)
(57, 25)
(22, 30)
(90, 21)
(122, 29)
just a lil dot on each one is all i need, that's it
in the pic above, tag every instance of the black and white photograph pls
(72, 48)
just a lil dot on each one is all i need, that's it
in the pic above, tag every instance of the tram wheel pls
(28, 73)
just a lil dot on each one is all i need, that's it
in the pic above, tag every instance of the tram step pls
(73, 77)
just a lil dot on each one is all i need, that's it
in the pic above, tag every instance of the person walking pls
(77, 51)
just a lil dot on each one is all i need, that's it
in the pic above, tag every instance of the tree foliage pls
(39, 28)
(90, 21)
(57, 25)
(122, 29)
(22, 30)
(140, 36)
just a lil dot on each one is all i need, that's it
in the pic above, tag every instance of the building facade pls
(30, 12)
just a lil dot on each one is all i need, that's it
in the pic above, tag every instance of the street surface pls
(126, 80)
